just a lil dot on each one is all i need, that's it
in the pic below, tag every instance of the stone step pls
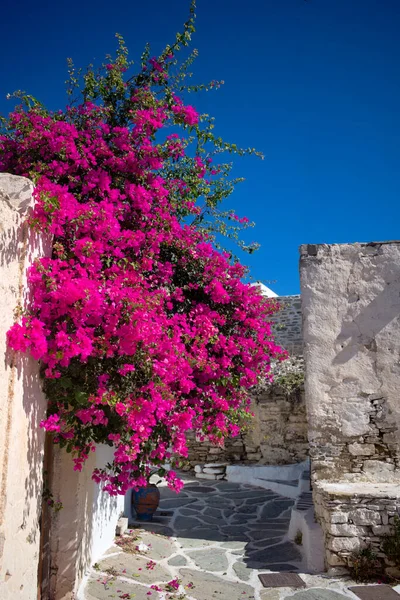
(213, 471)
(292, 482)
(209, 476)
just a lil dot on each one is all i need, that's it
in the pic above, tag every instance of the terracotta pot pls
(145, 502)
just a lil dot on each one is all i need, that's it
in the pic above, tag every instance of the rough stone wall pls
(288, 324)
(281, 421)
(351, 310)
(278, 433)
(276, 436)
(22, 404)
(234, 450)
(351, 329)
(353, 517)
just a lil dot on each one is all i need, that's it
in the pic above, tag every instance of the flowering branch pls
(142, 328)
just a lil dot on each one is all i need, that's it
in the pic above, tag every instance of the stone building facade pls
(351, 330)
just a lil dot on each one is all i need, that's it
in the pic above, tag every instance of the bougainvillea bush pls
(142, 328)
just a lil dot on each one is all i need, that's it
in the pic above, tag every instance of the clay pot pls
(145, 502)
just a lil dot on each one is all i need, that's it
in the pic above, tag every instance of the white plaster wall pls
(85, 528)
(351, 328)
(106, 509)
(312, 546)
(22, 404)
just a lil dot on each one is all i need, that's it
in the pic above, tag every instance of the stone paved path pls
(214, 538)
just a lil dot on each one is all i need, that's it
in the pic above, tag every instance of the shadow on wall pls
(35, 411)
(18, 201)
(361, 329)
(67, 541)
(20, 241)
(23, 407)
(35, 405)
(106, 509)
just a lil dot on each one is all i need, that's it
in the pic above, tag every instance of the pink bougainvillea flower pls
(143, 330)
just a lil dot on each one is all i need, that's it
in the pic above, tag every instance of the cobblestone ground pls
(211, 541)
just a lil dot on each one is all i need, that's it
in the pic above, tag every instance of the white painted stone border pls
(271, 477)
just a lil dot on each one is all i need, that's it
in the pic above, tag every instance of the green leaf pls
(81, 397)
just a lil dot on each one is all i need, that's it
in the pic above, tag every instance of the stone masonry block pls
(346, 530)
(347, 544)
(361, 449)
(335, 517)
(381, 530)
(334, 560)
(365, 517)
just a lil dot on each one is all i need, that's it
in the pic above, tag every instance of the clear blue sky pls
(314, 85)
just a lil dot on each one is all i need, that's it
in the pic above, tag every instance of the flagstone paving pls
(215, 538)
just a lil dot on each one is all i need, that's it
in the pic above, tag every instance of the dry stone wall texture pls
(288, 324)
(278, 432)
(276, 436)
(280, 425)
(354, 517)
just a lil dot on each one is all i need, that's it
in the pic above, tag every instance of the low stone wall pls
(276, 436)
(234, 450)
(354, 516)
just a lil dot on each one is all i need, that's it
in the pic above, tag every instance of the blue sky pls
(314, 85)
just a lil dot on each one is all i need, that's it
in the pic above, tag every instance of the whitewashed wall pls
(78, 535)
(351, 328)
(106, 510)
(22, 404)
(83, 530)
